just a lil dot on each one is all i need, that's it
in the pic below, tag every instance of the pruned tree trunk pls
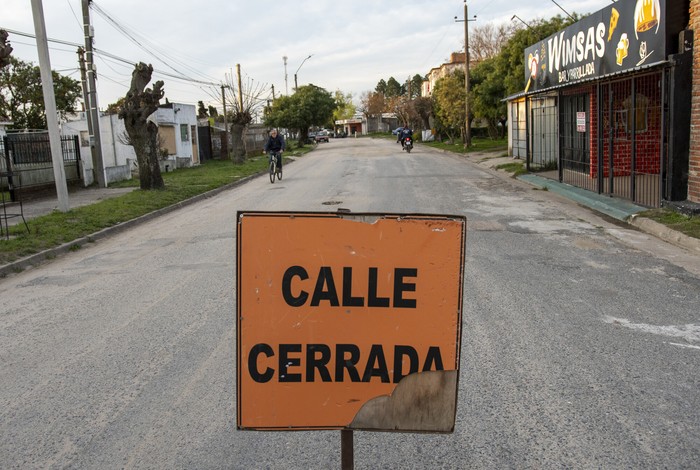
(138, 105)
(5, 49)
(238, 144)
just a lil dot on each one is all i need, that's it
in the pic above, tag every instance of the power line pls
(112, 56)
(144, 43)
(80, 25)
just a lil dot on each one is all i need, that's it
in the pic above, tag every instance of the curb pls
(51, 253)
(667, 234)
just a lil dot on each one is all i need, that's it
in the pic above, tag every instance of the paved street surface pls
(581, 336)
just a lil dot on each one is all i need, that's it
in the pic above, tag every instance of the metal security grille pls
(575, 141)
(518, 127)
(632, 129)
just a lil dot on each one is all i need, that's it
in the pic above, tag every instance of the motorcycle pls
(408, 144)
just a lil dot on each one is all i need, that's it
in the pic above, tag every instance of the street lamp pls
(567, 13)
(295, 73)
(467, 136)
(521, 20)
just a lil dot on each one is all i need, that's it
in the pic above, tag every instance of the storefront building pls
(606, 104)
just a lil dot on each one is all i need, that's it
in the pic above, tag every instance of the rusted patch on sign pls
(426, 401)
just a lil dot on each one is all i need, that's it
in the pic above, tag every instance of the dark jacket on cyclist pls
(274, 144)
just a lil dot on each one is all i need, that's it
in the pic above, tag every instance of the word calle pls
(325, 288)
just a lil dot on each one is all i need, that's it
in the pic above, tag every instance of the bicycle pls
(275, 170)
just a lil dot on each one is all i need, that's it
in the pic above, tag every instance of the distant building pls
(456, 63)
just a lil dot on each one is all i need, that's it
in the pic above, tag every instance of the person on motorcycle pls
(275, 144)
(398, 134)
(405, 132)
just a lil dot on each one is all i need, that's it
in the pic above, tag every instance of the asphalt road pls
(581, 338)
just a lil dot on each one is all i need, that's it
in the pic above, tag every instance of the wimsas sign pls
(618, 38)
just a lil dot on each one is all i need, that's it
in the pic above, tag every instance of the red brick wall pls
(694, 175)
(648, 141)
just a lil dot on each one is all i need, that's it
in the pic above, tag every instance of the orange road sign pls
(348, 321)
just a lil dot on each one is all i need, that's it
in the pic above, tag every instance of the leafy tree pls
(510, 62)
(22, 98)
(487, 93)
(309, 106)
(345, 109)
(113, 108)
(393, 88)
(213, 112)
(415, 86)
(381, 87)
(423, 107)
(202, 112)
(449, 104)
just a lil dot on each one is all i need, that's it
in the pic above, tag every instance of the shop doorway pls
(543, 136)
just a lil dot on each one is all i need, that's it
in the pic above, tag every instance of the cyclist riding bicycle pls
(275, 145)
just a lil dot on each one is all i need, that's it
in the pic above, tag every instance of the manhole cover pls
(332, 203)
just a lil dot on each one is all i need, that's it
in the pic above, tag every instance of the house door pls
(543, 116)
(195, 147)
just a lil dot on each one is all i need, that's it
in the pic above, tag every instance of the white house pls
(177, 128)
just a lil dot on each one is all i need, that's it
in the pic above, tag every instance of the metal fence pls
(28, 156)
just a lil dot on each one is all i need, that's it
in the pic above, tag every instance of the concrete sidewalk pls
(620, 209)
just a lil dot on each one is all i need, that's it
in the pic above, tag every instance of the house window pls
(184, 132)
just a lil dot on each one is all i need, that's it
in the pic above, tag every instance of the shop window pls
(624, 116)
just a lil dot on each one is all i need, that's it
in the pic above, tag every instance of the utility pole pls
(273, 92)
(95, 139)
(42, 45)
(223, 98)
(286, 88)
(240, 88)
(467, 135)
(86, 100)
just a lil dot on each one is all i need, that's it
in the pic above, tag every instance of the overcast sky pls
(353, 44)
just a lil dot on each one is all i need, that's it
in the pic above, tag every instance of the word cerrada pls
(325, 289)
(343, 364)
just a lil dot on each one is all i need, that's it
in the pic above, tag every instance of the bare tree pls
(372, 105)
(245, 102)
(5, 49)
(139, 104)
(487, 40)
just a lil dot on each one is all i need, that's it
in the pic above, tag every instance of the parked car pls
(322, 136)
